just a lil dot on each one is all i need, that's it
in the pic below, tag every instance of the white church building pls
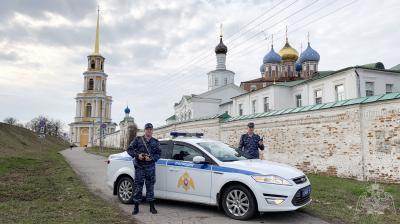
(218, 98)
(288, 80)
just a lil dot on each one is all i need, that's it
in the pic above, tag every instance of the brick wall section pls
(321, 141)
(381, 137)
(358, 141)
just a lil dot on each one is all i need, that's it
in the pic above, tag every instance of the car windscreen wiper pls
(230, 160)
(242, 153)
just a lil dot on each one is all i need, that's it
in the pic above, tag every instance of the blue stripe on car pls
(232, 170)
(196, 166)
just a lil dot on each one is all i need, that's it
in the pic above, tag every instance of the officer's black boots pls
(152, 208)
(135, 209)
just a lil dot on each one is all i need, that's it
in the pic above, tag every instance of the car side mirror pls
(199, 160)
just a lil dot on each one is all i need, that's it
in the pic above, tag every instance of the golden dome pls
(288, 53)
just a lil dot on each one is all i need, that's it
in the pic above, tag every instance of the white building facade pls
(323, 87)
(218, 98)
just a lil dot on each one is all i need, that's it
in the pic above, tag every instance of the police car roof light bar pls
(175, 134)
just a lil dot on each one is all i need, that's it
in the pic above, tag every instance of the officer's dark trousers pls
(145, 174)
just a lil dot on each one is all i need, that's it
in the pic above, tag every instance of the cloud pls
(8, 56)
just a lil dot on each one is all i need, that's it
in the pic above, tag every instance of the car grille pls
(299, 199)
(300, 180)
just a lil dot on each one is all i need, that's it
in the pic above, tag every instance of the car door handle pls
(173, 170)
(216, 172)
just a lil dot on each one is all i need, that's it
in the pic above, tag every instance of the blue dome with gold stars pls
(272, 57)
(309, 54)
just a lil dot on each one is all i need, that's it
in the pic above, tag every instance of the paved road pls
(92, 170)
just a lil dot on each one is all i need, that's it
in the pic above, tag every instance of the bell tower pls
(220, 76)
(95, 60)
(93, 106)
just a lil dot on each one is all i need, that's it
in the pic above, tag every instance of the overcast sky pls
(157, 51)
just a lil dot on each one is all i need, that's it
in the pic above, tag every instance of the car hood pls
(265, 167)
(119, 155)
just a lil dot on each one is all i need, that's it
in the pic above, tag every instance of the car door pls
(186, 180)
(161, 169)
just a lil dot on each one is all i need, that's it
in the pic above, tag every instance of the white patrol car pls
(205, 171)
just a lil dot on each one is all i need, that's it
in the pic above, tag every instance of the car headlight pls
(271, 179)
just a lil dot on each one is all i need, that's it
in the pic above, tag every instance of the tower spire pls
(220, 30)
(308, 37)
(97, 42)
(286, 34)
(272, 40)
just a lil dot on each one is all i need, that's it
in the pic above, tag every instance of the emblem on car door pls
(186, 182)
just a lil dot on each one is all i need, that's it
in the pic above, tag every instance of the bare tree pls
(51, 126)
(10, 120)
(131, 135)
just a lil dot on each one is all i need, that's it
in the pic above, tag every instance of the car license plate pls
(306, 191)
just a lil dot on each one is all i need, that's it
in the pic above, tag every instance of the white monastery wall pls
(360, 141)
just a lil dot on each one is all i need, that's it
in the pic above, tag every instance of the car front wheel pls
(125, 190)
(238, 202)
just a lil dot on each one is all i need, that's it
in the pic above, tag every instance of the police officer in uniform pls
(146, 151)
(250, 143)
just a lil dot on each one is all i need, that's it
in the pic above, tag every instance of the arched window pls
(103, 85)
(92, 64)
(91, 84)
(88, 110)
(101, 65)
(190, 114)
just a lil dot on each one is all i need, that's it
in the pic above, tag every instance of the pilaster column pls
(93, 108)
(90, 136)
(109, 110)
(77, 108)
(78, 135)
(82, 110)
(103, 109)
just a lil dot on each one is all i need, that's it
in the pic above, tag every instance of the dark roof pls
(221, 47)
(222, 116)
(397, 67)
(256, 80)
(376, 65)
(173, 117)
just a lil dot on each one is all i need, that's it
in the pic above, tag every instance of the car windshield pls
(221, 151)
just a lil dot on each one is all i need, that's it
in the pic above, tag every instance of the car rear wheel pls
(238, 202)
(125, 190)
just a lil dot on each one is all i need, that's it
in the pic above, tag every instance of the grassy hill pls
(38, 186)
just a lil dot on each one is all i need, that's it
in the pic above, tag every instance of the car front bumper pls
(272, 197)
